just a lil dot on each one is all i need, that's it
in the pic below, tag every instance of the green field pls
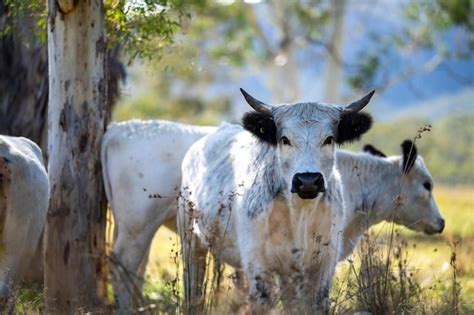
(428, 257)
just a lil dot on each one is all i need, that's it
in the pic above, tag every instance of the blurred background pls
(186, 60)
(418, 55)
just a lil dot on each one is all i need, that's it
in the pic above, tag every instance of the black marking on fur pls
(260, 125)
(410, 153)
(328, 195)
(352, 126)
(322, 298)
(262, 289)
(373, 150)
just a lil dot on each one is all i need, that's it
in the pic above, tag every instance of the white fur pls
(137, 212)
(27, 199)
(132, 156)
(265, 229)
(374, 188)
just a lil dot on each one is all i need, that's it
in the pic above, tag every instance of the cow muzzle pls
(308, 185)
(438, 229)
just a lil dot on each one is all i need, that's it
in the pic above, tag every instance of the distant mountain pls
(435, 109)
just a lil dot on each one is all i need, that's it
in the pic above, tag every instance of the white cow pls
(24, 200)
(132, 157)
(361, 171)
(269, 199)
(379, 188)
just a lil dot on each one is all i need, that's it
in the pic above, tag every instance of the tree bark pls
(77, 117)
(24, 78)
(333, 61)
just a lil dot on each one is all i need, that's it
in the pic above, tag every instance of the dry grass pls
(411, 274)
(417, 274)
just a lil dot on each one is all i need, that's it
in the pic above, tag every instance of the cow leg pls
(127, 255)
(142, 268)
(260, 278)
(261, 284)
(322, 280)
(194, 254)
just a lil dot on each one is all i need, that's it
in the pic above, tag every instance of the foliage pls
(140, 28)
(171, 95)
(143, 28)
(17, 10)
(427, 25)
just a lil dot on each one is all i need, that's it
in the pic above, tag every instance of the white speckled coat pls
(236, 201)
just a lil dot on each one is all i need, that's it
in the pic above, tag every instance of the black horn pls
(259, 106)
(360, 104)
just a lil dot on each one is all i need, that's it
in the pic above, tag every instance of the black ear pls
(373, 150)
(260, 125)
(409, 155)
(352, 126)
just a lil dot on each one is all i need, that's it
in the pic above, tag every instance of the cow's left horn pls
(259, 106)
(360, 104)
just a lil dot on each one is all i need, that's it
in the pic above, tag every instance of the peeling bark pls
(77, 117)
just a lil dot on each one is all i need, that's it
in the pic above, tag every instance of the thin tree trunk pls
(333, 61)
(77, 114)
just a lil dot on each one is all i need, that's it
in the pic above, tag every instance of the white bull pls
(269, 199)
(24, 200)
(367, 176)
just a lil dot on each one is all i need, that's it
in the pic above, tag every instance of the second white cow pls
(156, 148)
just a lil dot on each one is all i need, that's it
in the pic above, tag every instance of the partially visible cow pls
(379, 188)
(24, 200)
(269, 199)
(358, 169)
(141, 192)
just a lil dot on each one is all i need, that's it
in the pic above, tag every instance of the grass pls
(428, 258)
(420, 277)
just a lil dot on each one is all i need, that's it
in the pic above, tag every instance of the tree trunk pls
(77, 114)
(333, 61)
(24, 78)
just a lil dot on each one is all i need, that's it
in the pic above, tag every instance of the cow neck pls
(371, 185)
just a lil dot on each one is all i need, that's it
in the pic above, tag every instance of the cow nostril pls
(441, 224)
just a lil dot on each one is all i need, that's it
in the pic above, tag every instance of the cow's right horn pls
(358, 105)
(259, 106)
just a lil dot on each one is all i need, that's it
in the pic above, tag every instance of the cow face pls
(304, 136)
(418, 209)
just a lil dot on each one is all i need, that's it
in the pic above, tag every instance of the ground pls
(428, 261)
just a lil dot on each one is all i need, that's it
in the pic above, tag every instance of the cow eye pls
(284, 140)
(329, 140)
(427, 185)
